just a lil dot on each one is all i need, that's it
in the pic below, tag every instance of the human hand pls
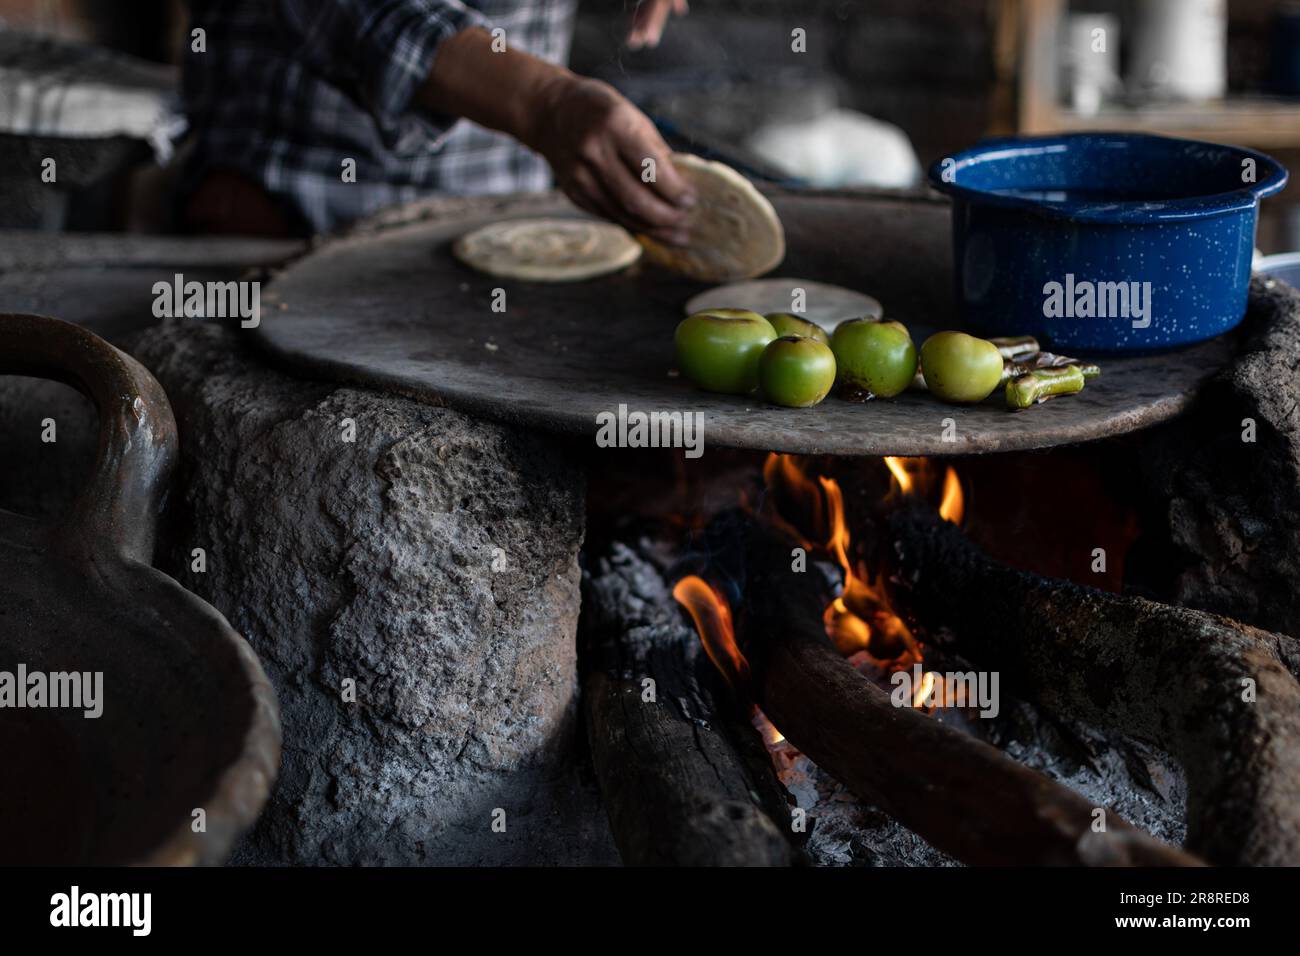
(597, 143)
(648, 21)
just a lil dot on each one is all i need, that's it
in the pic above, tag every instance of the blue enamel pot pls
(1104, 241)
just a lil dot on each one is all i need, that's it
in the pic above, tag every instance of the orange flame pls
(860, 618)
(916, 476)
(898, 467)
(860, 621)
(712, 616)
(953, 506)
(839, 541)
(922, 693)
(799, 506)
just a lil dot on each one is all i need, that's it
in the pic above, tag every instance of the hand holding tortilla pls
(734, 233)
(732, 230)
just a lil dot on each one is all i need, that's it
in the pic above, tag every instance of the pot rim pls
(1271, 177)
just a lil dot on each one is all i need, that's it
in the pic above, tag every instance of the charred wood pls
(1215, 693)
(685, 780)
(960, 794)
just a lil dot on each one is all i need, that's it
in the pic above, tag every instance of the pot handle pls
(1271, 176)
(117, 511)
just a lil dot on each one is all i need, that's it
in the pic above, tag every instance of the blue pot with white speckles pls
(1104, 241)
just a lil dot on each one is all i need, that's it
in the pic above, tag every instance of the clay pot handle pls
(116, 513)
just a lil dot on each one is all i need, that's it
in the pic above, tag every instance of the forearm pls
(597, 143)
(500, 90)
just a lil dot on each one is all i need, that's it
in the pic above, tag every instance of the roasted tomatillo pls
(874, 357)
(796, 371)
(718, 349)
(959, 367)
(786, 323)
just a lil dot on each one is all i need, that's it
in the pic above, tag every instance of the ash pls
(842, 830)
(1139, 783)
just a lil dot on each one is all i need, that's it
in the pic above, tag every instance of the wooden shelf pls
(1244, 121)
(1258, 121)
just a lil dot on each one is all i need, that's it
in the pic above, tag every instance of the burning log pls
(684, 782)
(1215, 693)
(960, 794)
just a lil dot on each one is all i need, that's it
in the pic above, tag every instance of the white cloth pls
(840, 148)
(52, 88)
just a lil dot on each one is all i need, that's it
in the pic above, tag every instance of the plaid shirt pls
(286, 90)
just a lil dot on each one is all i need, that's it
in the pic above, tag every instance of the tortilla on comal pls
(548, 249)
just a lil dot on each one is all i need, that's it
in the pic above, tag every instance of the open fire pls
(817, 638)
(921, 701)
(860, 620)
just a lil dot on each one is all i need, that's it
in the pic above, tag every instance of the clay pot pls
(186, 744)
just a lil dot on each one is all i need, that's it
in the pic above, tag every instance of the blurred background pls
(829, 93)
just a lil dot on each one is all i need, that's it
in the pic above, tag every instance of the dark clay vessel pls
(189, 722)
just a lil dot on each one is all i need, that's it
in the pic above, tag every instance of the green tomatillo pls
(718, 349)
(796, 371)
(873, 357)
(959, 367)
(786, 323)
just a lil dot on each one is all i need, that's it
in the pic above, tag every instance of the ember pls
(828, 694)
(860, 621)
